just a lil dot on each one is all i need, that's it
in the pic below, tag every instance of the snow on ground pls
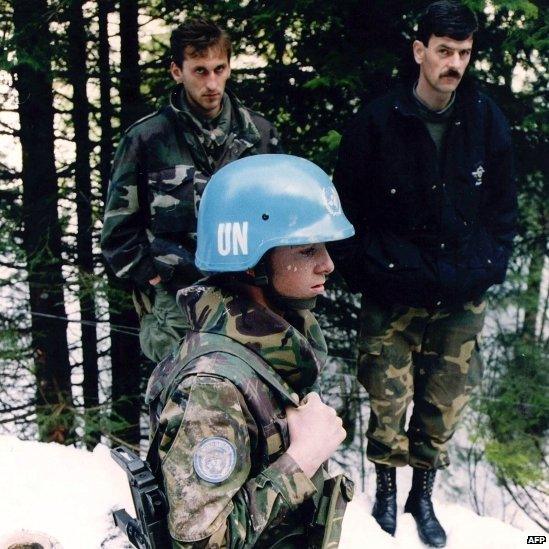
(465, 529)
(69, 494)
(62, 491)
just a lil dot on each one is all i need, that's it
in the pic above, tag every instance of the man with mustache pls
(160, 170)
(425, 176)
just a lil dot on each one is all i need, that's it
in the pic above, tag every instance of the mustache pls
(452, 73)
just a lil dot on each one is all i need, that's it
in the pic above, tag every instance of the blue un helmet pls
(260, 202)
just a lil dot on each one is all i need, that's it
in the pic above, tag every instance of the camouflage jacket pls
(263, 496)
(158, 175)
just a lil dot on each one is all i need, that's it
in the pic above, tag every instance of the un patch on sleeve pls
(214, 459)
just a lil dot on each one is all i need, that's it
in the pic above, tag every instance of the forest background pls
(75, 73)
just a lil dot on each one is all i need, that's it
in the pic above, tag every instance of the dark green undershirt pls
(435, 121)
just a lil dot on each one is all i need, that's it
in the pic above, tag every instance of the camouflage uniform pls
(160, 170)
(429, 356)
(266, 499)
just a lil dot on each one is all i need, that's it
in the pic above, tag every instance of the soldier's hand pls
(315, 433)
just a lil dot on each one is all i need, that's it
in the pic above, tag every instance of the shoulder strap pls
(212, 343)
(140, 120)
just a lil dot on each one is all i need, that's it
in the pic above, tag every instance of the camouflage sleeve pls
(275, 146)
(206, 461)
(124, 241)
(270, 139)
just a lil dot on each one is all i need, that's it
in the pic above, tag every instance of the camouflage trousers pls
(427, 356)
(162, 325)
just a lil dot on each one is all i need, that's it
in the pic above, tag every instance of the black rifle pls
(149, 530)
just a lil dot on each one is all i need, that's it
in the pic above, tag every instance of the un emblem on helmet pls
(331, 201)
(214, 459)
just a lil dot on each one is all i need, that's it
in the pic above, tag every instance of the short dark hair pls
(200, 35)
(446, 18)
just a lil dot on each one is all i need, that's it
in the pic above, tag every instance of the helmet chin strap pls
(260, 275)
(261, 278)
(290, 303)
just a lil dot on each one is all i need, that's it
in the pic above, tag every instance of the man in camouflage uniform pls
(160, 170)
(425, 176)
(239, 435)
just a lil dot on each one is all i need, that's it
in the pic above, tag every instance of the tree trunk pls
(86, 296)
(130, 76)
(532, 307)
(42, 231)
(105, 105)
(125, 351)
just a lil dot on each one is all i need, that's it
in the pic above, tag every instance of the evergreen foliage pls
(311, 65)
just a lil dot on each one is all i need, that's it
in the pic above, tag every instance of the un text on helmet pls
(232, 238)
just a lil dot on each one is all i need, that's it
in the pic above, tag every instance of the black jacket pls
(428, 233)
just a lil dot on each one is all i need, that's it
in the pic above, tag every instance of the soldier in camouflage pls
(425, 175)
(239, 433)
(160, 170)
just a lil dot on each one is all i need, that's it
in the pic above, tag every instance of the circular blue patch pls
(214, 459)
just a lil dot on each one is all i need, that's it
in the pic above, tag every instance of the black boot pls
(420, 505)
(385, 507)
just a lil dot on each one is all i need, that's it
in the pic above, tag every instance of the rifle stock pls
(149, 530)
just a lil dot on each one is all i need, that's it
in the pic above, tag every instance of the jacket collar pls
(243, 125)
(296, 350)
(466, 97)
